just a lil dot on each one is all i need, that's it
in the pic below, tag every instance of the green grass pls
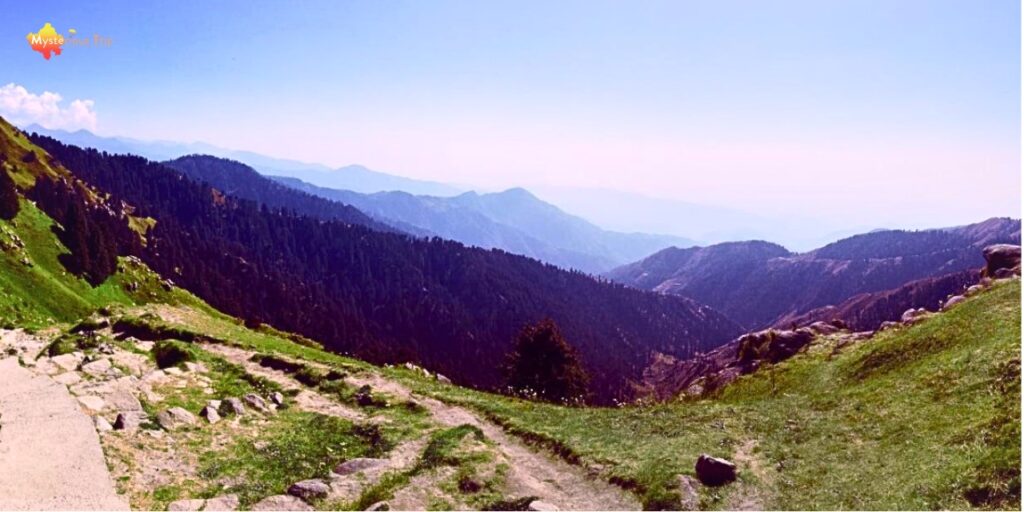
(295, 446)
(920, 417)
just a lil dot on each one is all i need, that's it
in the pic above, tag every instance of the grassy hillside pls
(921, 417)
(926, 416)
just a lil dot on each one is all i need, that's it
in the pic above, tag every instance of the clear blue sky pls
(855, 109)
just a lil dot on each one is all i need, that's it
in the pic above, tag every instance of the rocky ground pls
(162, 429)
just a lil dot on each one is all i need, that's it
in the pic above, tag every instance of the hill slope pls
(514, 220)
(386, 297)
(756, 283)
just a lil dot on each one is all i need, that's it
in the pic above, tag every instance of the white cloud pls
(21, 107)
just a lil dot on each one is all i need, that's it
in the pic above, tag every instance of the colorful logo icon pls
(47, 41)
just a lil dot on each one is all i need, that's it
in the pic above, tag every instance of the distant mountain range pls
(757, 284)
(514, 220)
(351, 177)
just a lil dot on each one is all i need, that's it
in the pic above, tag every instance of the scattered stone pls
(277, 398)
(225, 503)
(888, 325)
(173, 370)
(214, 404)
(913, 315)
(68, 378)
(442, 379)
(101, 424)
(953, 301)
(257, 402)
(714, 471)
(92, 403)
(186, 505)
(358, 465)
(97, 368)
(541, 506)
(689, 498)
(191, 367)
(823, 328)
(175, 418)
(210, 413)
(129, 421)
(309, 490)
(231, 406)
(380, 506)
(281, 502)
(974, 289)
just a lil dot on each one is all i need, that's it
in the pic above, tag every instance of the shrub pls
(544, 366)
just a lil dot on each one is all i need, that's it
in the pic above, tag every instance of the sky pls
(855, 112)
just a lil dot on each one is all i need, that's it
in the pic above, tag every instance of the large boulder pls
(714, 471)
(1001, 256)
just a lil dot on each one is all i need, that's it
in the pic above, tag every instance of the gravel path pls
(50, 455)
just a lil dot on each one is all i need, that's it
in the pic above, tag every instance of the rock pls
(541, 506)
(92, 403)
(358, 465)
(210, 414)
(68, 362)
(128, 421)
(214, 403)
(231, 406)
(281, 502)
(101, 424)
(173, 370)
(380, 506)
(224, 503)
(257, 402)
(277, 398)
(1004, 273)
(714, 471)
(912, 315)
(823, 328)
(973, 290)
(689, 499)
(309, 490)
(175, 418)
(953, 301)
(364, 396)
(888, 325)
(183, 505)
(442, 379)
(97, 368)
(68, 378)
(1001, 256)
(122, 400)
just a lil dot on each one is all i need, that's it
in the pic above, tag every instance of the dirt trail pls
(531, 473)
(50, 455)
(748, 496)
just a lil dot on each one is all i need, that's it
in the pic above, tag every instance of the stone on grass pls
(953, 301)
(309, 489)
(122, 400)
(256, 402)
(379, 506)
(231, 406)
(689, 498)
(281, 502)
(210, 414)
(225, 503)
(277, 398)
(714, 471)
(175, 418)
(358, 465)
(186, 505)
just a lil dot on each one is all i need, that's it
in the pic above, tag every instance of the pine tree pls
(544, 366)
(8, 196)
